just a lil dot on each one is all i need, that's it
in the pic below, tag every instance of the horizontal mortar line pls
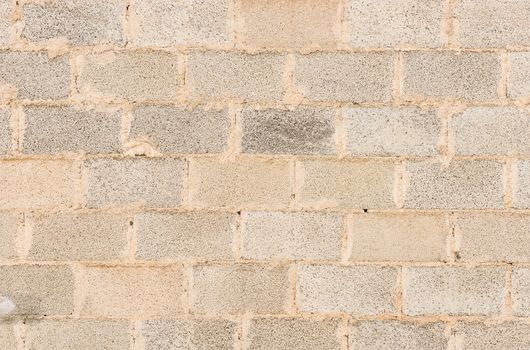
(272, 263)
(264, 157)
(251, 50)
(235, 317)
(221, 103)
(137, 210)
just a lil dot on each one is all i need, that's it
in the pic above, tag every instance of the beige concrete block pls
(79, 22)
(8, 235)
(388, 335)
(133, 291)
(5, 21)
(70, 129)
(390, 23)
(240, 288)
(448, 75)
(38, 290)
(240, 183)
(519, 80)
(276, 131)
(399, 237)
(84, 236)
(207, 334)
(221, 75)
(345, 77)
(290, 24)
(271, 333)
(200, 234)
(5, 130)
(38, 183)
(454, 290)
(364, 184)
(494, 23)
(136, 76)
(392, 131)
(521, 184)
(359, 290)
(180, 130)
(521, 292)
(188, 22)
(493, 237)
(493, 336)
(77, 334)
(461, 184)
(8, 340)
(491, 131)
(154, 182)
(293, 236)
(34, 75)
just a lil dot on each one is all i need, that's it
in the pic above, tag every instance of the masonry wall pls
(252, 174)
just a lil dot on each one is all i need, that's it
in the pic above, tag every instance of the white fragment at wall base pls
(6, 306)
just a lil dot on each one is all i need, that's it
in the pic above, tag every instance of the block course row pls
(260, 182)
(292, 333)
(343, 77)
(164, 291)
(264, 236)
(276, 24)
(372, 132)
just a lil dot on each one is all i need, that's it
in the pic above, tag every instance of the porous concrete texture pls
(392, 131)
(265, 174)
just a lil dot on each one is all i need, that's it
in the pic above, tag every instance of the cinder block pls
(34, 75)
(461, 184)
(301, 131)
(491, 131)
(493, 336)
(77, 334)
(5, 21)
(390, 23)
(150, 181)
(38, 184)
(180, 130)
(521, 185)
(493, 237)
(521, 292)
(391, 131)
(274, 333)
(240, 288)
(5, 130)
(519, 82)
(188, 22)
(223, 74)
(8, 340)
(204, 334)
(136, 76)
(78, 21)
(387, 335)
(454, 290)
(360, 290)
(38, 290)
(290, 24)
(70, 129)
(184, 235)
(345, 184)
(293, 236)
(449, 75)
(8, 235)
(133, 291)
(240, 183)
(493, 23)
(345, 77)
(84, 236)
(399, 237)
